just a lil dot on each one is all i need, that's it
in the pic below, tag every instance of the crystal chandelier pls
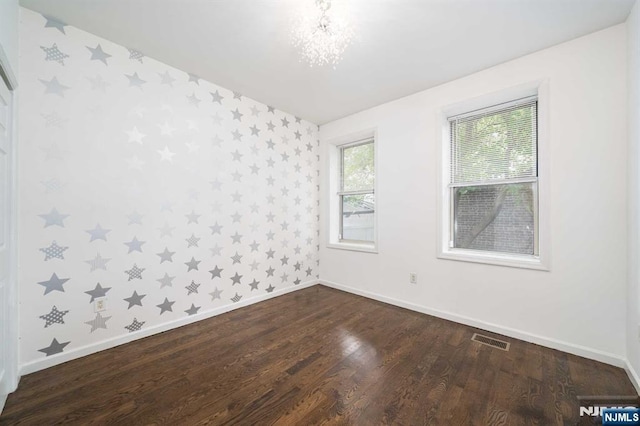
(321, 35)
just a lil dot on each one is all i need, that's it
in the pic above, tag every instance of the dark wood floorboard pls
(315, 356)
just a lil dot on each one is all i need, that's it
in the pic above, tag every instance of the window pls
(356, 196)
(492, 185)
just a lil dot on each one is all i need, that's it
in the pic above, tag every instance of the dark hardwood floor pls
(315, 356)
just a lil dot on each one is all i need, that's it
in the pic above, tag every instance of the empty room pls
(302, 212)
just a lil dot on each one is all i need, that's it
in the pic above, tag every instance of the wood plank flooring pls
(317, 355)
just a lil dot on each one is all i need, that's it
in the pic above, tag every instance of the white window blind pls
(495, 144)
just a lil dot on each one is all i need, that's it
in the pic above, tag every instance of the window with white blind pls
(492, 184)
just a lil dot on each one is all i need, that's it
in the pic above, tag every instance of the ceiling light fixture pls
(321, 34)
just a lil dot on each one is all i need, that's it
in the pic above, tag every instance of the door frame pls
(12, 374)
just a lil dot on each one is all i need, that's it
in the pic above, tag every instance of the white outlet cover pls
(100, 304)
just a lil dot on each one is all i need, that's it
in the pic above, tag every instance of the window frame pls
(446, 220)
(333, 223)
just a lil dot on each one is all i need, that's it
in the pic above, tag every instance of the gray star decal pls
(270, 254)
(254, 130)
(135, 55)
(165, 281)
(54, 348)
(271, 109)
(254, 245)
(284, 260)
(297, 281)
(192, 264)
(134, 326)
(192, 217)
(216, 97)
(271, 144)
(284, 277)
(135, 81)
(97, 54)
(193, 100)
(135, 299)
(216, 250)
(254, 265)
(236, 258)
(166, 306)
(98, 83)
(165, 256)
(236, 238)
(236, 298)
(54, 251)
(135, 218)
(254, 284)
(215, 229)
(54, 87)
(298, 135)
(194, 78)
(285, 122)
(98, 263)
(98, 233)
(215, 272)
(54, 54)
(98, 322)
(236, 279)
(270, 272)
(167, 79)
(97, 292)
(54, 218)
(237, 95)
(192, 288)
(236, 217)
(271, 126)
(192, 241)
(135, 272)
(193, 309)
(309, 271)
(53, 283)
(166, 230)
(54, 317)
(54, 23)
(135, 245)
(270, 288)
(255, 111)
(215, 294)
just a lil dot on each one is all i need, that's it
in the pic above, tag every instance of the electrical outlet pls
(413, 278)
(100, 305)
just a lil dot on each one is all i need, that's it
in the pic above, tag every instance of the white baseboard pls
(571, 348)
(633, 376)
(41, 364)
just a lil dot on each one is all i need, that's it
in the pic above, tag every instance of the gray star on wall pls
(97, 292)
(54, 54)
(236, 298)
(54, 317)
(216, 97)
(54, 348)
(215, 229)
(165, 281)
(270, 253)
(192, 241)
(216, 250)
(237, 115)
(53, 283)
(284, 260)
(135, 81)
(270, 272)
(135, 299)
(135, 55)
(254, 131)
(98, 83)
(192, 288)
(97, 54)
(285, 122)
(215, 294)
(166, 230)
(297, 281)
(193, 100)
(193, 309)
(166, 306)
(54, 87)
(254, 245)
(54, 23)
(98, 263)
(192, 264)
(270, 288)
(135, 245)
(135, 218)
(297, 266)
(254, 284)
(236, 238)
(215, 272)
(194, 78)
(254, 265)
(135, 325)
(237, 95)
(271, 126)
(134, 272)
(167, 79)
(165, 256)
(298, 135)
(284, 277)
(54, 218)
(236, 279)
(98, 322)
(271, 109)
(54, 251)
(237, 258)
(98, 233)
(192, 217)
(309, 271)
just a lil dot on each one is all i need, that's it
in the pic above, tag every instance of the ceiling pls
(402, 46)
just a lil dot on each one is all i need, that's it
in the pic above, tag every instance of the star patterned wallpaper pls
(150, 189)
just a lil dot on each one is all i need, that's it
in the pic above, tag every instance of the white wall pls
(9, 32)
(94, 149)
(578, 306)
(633, 296)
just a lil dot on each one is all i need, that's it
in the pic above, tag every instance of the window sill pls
(513, 261)
(367, 248)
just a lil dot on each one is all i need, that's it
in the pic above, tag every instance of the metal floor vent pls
(486, 340)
